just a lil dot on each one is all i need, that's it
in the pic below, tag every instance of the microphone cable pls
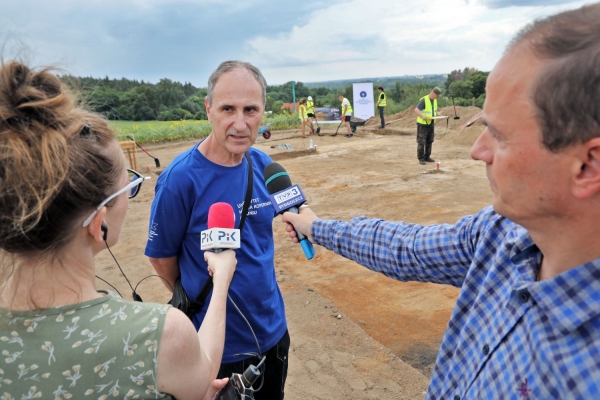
(108, 283)
(134, 294)
(136, 297)
(258, 355)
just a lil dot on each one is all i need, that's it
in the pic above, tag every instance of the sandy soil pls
(355, 334)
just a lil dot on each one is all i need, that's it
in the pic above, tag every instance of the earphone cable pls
(120, 269)
(105, 281)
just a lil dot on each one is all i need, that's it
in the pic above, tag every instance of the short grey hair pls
(565, 91)
(230, 65)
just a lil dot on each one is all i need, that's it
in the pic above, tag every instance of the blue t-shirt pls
(184, 192)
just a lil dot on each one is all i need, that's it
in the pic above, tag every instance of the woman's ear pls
(587, 181)
(95, 227)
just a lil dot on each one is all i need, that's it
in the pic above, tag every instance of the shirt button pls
(457, 397)
(524, 296)
(485, 349)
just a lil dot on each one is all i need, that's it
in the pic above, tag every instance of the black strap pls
(248, 192)
(198, 303)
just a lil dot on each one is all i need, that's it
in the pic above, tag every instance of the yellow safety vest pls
(302, 112)
(349, 109)
(383, 102)
(430, 110)
(310, 107)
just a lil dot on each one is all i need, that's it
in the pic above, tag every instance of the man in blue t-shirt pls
(216, 170)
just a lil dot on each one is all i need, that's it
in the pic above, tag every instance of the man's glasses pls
(135, 183)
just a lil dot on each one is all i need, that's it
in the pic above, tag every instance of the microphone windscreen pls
(276, 178)
(221, 215)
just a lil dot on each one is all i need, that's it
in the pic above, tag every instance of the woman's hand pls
(221, 266)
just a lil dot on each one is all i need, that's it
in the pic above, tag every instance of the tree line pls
(168, 100)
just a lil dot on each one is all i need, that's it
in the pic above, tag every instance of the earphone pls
(104, 229)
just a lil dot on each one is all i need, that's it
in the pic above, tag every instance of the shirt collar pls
(570, 299)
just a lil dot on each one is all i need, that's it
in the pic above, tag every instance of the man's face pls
(528, 181)
(237, 110)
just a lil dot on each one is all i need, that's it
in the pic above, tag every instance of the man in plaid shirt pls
(526, 324)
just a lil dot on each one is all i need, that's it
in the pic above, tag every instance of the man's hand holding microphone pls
(300, 222)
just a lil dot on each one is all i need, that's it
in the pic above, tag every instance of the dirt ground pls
(355, 334)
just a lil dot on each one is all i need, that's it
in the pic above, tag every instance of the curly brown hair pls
(56, 162)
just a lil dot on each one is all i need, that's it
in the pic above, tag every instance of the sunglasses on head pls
(135, 183)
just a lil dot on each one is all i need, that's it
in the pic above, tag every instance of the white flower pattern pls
(58, 351)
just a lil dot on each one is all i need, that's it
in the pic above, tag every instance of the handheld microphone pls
(286, 197)
(219, 236)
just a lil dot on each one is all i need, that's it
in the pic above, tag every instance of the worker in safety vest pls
(426, 110)
(381, 104)
(310, 112)
(303, 116)
(346, 114)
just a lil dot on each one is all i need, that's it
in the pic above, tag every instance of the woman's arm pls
(188, 361)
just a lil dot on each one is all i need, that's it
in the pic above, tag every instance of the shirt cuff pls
(320, 231)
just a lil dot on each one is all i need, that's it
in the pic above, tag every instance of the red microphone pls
(220, 234)
(221, 215)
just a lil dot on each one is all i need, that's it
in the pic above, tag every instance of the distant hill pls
(432, 80)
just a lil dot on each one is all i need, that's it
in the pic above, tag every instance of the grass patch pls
(167, 131)
(161, 131)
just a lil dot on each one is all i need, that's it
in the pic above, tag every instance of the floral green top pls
(97, 349)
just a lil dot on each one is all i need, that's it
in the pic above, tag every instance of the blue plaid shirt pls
(509, 337)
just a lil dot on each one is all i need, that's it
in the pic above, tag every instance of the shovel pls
(156, 160)
(341, 122)
(318, 127)
(455, 116)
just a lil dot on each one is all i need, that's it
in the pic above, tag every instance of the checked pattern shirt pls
(509, 337)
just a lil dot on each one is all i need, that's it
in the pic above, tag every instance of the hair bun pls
(56, 160)
(30, 96)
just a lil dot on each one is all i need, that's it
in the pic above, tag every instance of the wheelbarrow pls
(356, 122)
(265, 131)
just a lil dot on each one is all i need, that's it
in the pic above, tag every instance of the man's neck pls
(566, 245)
(216, 153)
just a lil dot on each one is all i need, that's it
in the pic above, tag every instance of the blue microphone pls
(286, 197)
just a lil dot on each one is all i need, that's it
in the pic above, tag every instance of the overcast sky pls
(305, 41)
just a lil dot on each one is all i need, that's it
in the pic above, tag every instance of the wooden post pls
(129, 149)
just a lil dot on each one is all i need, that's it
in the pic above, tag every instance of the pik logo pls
(225, 235)
(363, 94)
(206, 236)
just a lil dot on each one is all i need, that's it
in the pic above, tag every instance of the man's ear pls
(207, 106)
(587, 180)
(95, 227)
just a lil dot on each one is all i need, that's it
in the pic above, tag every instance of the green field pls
(165, 131)
(161, 131)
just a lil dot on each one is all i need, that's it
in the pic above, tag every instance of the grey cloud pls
(354, 49)
(521, 3)
(181, 40)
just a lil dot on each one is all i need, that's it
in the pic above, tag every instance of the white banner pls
(364, 107)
